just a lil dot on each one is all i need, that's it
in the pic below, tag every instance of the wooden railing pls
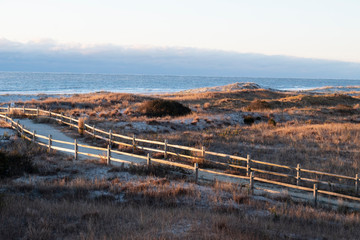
(294, 175)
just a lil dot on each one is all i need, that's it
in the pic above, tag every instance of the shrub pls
(258, 105)
(344, 109)
(14, 164)
(207, 105)
(249, 120)
(161, 107)
(81, 126)
(272, 122)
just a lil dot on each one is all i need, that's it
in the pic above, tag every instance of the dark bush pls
(14, 164)
(344, 109)
(160, 108)
(258, 105)
(249, 120)
(272, 122)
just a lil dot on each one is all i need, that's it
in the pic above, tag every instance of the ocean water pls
(68, 83)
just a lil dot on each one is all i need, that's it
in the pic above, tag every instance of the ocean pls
(25, 83)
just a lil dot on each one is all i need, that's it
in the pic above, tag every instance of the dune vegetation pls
(51, 196)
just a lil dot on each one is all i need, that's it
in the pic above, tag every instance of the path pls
(260, 188)
(46, 130)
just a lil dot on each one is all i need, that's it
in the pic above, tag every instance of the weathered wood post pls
(315, 194)
(49, 145)
(203, 152)
(165, 149)
(110, 136)
(70, 121)
(148, 159)
(24, 109)
(18, 127)
(196, 171)
(248, 167)
(37, 112)
(251, 182)
(33, 136)
(49, 114)
(8, 109)
(93, 131)
(61, 118)
(298, 169)
(134, 143)
(75, 150)
(108, 155)
(22, 130)
(6, 117)
(356, 183)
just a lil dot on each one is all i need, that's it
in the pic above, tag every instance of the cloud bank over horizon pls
(49, 56)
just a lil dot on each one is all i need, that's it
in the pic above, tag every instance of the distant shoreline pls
(9, 97)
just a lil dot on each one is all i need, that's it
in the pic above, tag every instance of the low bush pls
(157, 170)
(161, 108)
(344, 109)
(15, 164)
(249, 120)
(258, 105)
(81, 126)
(272, 122)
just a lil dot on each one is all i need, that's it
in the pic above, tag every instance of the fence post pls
(196, 171)
(75, 150)
(251, 184)
(6, 120)
(108, 155)
(248, 168)
(8, 109)
(17, 128)
(22, 130)
(93, 131)
(50, 142)
(298, 169)
(24, 109)
(37, 112)
(356, 183)
(203, 152)
(49, 113)
(61, 118)
(134, 143)
(148, 159)
(33, 137)
(315, 194)
(110, 136)
(165, 149)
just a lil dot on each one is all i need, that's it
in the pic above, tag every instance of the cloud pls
(49, 56)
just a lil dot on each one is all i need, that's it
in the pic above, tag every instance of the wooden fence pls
(289, 175)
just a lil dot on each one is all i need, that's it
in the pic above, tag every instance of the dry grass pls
(81, 125)
(4, 124)
(102, 218)
(319, 131)
(81, 200)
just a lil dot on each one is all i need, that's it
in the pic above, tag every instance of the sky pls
(321, 29)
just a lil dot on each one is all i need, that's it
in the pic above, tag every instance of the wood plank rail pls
(111, 138)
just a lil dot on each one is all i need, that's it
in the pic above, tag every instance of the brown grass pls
(76, 202)
(81, 125)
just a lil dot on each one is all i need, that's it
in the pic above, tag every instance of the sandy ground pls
(46, 130)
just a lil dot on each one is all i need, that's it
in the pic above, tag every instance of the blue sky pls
(321, 29)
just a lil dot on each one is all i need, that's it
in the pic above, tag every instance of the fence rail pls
(162, 147)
